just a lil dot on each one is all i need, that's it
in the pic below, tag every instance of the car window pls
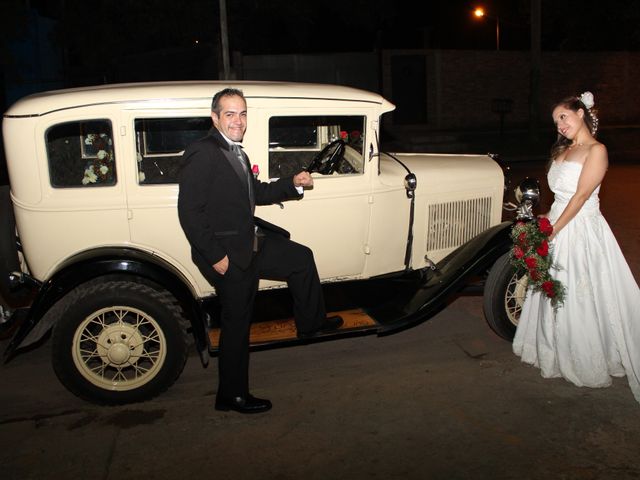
(295, 141)
(160, 143)
(80, 154)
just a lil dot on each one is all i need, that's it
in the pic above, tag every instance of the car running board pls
(284, 330)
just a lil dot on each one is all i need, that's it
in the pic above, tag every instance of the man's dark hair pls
(227, 92)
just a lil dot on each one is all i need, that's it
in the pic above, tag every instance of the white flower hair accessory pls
(587, 99)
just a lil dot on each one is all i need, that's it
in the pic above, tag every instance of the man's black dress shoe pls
(248, 404)
(330, 324)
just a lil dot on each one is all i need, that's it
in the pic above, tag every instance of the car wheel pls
(504, 294)
(119, 342)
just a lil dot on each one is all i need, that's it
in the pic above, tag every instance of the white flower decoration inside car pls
(99, 168)
(89, 176)
(587, 99)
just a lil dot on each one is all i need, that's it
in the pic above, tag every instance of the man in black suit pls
(234, 249)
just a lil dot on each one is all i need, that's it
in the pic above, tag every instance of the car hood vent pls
(453, 223)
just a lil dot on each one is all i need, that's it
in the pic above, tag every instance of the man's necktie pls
(236, 149)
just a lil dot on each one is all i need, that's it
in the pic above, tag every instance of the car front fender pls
(422, 300)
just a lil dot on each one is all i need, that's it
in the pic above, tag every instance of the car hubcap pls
(120, 344)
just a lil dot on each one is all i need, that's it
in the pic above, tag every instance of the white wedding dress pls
(596, 333)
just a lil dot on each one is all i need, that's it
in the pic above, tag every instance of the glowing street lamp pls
(479, 12)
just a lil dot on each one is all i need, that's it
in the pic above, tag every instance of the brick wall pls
(461, 84)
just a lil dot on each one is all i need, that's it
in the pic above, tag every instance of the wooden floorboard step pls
(275, 330)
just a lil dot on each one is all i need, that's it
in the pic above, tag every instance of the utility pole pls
(534, 78)
(224, 40)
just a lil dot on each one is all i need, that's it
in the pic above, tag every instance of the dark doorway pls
(409, 91)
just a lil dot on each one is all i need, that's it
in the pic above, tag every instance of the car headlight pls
(528, 196)
(528, 191)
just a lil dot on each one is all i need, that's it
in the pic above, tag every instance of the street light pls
(479, 12)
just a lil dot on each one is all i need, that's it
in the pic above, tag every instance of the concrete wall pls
(352, 69)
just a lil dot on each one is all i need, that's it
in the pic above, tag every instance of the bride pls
(595, 333)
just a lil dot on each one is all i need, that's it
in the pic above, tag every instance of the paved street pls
(444, 400)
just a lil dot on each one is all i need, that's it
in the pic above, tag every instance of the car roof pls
(46, 102)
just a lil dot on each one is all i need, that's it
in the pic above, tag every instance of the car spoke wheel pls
(504, 294)
(514, 296)
(119, 348)
(119, 342)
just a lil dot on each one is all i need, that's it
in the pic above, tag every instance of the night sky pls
(303, 26)
(97, 40)
(92, 41)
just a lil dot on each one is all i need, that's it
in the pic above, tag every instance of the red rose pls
(518, 252)
(548, 288)
(522, 239)
(535, 275)
(544, 225)
(543, 249)
(531, 262)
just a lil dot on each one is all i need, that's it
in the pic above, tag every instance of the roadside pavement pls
(445, 400)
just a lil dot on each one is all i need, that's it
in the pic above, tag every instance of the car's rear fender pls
(105, 263)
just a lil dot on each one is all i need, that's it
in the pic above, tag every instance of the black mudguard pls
(12, 294)
(104, 263)
(421, 300)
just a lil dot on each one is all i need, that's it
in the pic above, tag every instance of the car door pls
(333, 217)
(155, 141)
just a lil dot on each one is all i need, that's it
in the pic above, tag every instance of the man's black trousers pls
(278, 258)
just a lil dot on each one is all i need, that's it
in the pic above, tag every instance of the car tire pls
(504, 293)
(119, 342)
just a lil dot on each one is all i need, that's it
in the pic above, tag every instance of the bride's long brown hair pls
(574, 104)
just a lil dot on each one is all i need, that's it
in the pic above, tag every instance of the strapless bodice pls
(563, 181)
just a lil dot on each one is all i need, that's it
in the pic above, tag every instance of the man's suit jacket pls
(214, 205)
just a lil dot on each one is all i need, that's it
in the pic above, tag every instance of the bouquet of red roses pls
(531, 253)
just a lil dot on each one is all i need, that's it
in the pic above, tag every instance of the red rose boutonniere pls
(531, 253)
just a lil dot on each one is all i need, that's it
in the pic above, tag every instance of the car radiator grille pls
(452, 224)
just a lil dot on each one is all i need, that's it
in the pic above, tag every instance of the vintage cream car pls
(93, 250)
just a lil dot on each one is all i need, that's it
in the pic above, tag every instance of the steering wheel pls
(327, 160)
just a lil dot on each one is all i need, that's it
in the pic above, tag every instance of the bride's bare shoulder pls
(597, 149)
(597, 155)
